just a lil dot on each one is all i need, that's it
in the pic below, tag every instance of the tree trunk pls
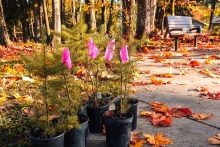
(172, 5)
(41, 12)
(146, 16)
(46, 21)
(63, 11)
(90, 18)
(213, 5)
(4, 37)
(163, 17)
(56, 21)
(126, 15)
(74, 12)
(103, 19)
(36, 22)
(24, 22)
(141, 18)
(110, 17)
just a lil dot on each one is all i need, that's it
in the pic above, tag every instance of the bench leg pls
(195, 41)
(176, 43)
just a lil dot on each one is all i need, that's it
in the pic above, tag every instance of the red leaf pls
(180, 112)
(194, 63)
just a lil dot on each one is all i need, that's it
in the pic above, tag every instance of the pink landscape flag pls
(110, 50)
(124, 54)
(66, 58)
(93, 50)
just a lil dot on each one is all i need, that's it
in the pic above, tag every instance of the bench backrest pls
(184, 22)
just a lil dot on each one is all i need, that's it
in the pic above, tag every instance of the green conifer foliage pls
(53, 110)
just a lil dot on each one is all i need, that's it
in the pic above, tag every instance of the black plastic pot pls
(77, 137)
(95, 118)
(118, 130)
(83, 111)
(57, 141)
(133, 109)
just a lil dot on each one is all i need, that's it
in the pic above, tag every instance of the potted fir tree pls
(54, 110)
(75, 136)
(98, 102)
(118, 122)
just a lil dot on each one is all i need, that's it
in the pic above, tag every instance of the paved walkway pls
(182, 92)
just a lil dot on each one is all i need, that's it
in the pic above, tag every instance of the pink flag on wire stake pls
(93, 50)
(124, 54)
(110, 50)
(66, 58)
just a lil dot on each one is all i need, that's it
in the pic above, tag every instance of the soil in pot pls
(77, 137)
(133, 109)
(118, 128)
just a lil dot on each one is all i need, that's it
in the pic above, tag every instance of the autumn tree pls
(46, 21)
(213, 5)
(127, 8)
(38, 20)
(145, 17)
(110, 17)
(90, 17)
(56, 20)
(4, 37)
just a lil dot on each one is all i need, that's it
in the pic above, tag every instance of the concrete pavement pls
(182, 92)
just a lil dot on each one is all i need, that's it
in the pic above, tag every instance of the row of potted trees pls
(75, 86)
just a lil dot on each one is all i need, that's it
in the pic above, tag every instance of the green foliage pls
(56, 105)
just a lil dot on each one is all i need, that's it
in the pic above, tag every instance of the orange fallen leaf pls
(156, 81)
(202, 89)
(135, 138)
(146, 113)
(163, 109)
(202, 116)
(158, 140)
(215, 139)
(160, 119)
(147, 71)
(157, 103)
(165, 75)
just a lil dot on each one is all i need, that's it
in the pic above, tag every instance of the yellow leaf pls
(3, 98)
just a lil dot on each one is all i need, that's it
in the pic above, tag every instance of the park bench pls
(181, 26)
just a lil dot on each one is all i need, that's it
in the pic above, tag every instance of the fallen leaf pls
(165, 75)
(135, 138)
(180, 112)
(202, 116)
(158, 140)
(194, 63)
(150, 88)
(160, 119)
(215, 139)
(155, 104)
(202, 89)
(150, 138)
(156, 81)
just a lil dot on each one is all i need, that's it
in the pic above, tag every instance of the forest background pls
(21, 20)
